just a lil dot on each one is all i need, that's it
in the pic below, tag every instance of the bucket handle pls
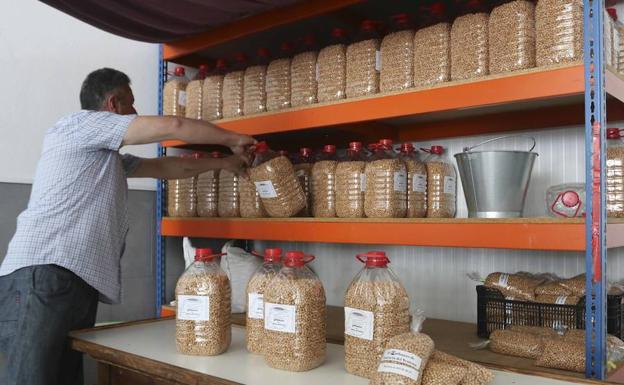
(467, 149)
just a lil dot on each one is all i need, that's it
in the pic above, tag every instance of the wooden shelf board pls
(522, 233)
(451, 337)
(539, 85)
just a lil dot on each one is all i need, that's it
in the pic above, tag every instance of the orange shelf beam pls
(526, 233)
(522, 87)
(251, 25)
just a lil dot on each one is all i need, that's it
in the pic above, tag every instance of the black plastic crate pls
(496, 312)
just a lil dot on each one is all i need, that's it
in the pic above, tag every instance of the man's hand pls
(242, 144)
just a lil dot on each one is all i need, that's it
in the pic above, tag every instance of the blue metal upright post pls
(595, 254)
(160, 189)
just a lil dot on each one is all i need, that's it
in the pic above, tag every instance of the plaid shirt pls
(77, 214)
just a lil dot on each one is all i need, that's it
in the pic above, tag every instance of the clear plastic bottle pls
(255, 298)
(303, 73)
(364, 61)
(182, 195)
(376, 309)
(351, 183)
(278, 79)
(386, 184)
(233, 88)
(303, 170)
(254, 84)
(295, 317)
(250, 202)
(276, 182)
(208, 191)
(432, 46)
(615, 173)
(332, 67)
(212, 92)
(204, 303)
(194, 93)
(441, 184)
(229, 194)
(416, 182)
(397, 56)
(323, 177)
(469, 42)
(174, 93)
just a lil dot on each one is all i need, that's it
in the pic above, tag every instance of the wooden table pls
(144, 353)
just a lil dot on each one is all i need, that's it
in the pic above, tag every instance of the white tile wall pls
(436, 278)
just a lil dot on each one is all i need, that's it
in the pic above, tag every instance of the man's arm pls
(153, 129)
(180, 168)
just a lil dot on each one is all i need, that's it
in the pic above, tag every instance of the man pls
(65, 254)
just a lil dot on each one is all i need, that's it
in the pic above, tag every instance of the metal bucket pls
(495, 182)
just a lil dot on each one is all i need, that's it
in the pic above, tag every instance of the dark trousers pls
(39, 305)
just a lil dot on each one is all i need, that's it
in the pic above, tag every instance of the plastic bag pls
(469, 46)
(442, 373)
(519, 286)
(405, 356)
(239, 266)
(476, 374)
(559, 31)
(575, 284)
(515, 343)
(432, 55)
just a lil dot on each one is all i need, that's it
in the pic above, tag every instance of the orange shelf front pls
(528, 86)
(525, 233)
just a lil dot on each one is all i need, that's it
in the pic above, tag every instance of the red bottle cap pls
(407, 147)
(297, 259)
(287, 46)
(221, 64)
(374, 259)
(612, 13)
(613, 133)
(329, 149)
(204, 68)
(273, 254)
(264, 52)
(305, 151)
(309, 39)
(438, 150)
(368, 25)
(240, 57)
(570, 198)
(338, 32)
(204, 254)
(355, 146)
(215, 154)
(373, 147)
(262, 147)
(179, 71)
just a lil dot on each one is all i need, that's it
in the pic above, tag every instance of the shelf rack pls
(557, 95)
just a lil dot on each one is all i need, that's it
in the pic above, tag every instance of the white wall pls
(44, 56)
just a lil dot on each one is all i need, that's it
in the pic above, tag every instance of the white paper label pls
(419, 183)
(359, 323)
(362, 182)
(401, 370)
(193, 308)
(279, 318)
(182, 98)
(400, 181)
(450, 185)
(255, 306)
(402, 357)
(378, 60)
(502, 280)
(265, 189)
(561, 300)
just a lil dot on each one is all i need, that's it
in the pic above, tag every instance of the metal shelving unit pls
(588, 82)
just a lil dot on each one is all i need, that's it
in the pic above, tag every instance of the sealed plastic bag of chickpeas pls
(376, 309)
(294, 316)
(276, 183)
(203, 296)
(255, 298)
(405, 357)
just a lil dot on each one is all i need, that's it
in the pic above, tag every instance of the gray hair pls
(98, 85)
